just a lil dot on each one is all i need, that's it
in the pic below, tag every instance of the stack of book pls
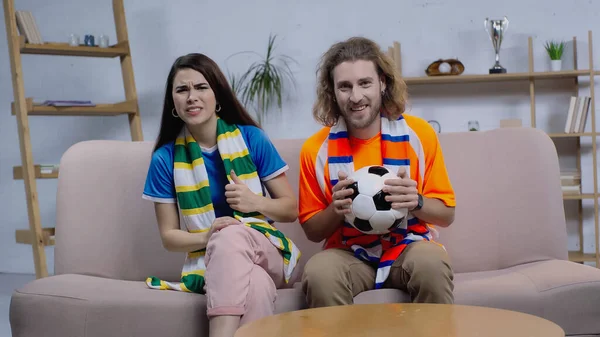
(68, 103)
(28, 27)
(570, 182)
(577, 114)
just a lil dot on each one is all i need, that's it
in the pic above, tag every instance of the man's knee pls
(430, 271)
(326, 280)
(324, 270)
(429, 260)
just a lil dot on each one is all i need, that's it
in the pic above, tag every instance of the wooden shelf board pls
(576, 256)
(573, 135)
(578, 196)
(26, 237)
(115, 109)
(497, 77)
(64, 49)
(18, 173)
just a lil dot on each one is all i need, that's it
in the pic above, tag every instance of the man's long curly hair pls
(326, 110)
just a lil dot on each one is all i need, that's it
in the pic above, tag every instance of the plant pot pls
(555, 65)
(473, 126)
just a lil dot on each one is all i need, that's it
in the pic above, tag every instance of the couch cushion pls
(79, 305)
(564, 292)
(570, 294)
(382, 296)
(290, 299)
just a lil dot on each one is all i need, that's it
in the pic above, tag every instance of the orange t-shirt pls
(425, 152)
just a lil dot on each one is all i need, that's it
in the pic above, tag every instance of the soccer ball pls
(370, 212)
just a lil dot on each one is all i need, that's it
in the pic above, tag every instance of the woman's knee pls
(230, 239)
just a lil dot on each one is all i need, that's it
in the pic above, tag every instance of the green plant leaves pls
(555, 49)
(262, 85)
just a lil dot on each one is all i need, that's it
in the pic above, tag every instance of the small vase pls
(473, 126)
(555, 65)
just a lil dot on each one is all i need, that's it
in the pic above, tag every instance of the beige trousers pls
(335, 276)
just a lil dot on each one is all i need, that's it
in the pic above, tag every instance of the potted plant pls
(264, 82)
(555, 51)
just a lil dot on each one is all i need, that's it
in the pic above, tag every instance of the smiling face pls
(194, 99)
(358, 91)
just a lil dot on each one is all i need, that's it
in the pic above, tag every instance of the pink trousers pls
(243, 271)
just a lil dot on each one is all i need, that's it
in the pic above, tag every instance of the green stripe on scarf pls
(189, 200)
(198, 203)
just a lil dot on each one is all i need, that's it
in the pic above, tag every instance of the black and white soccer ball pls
(370, 213)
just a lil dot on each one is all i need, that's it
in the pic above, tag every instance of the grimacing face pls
(193, 97)
(358, 92)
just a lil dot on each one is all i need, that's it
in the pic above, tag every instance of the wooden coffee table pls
(401, 319)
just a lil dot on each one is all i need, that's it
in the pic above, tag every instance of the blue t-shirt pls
(160, 185)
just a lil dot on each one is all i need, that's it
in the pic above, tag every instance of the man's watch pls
(419, 203)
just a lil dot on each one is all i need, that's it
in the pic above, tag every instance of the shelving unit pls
(37, 236)
(64, 49)
(532, 76)
(497, 77)
(122, 108)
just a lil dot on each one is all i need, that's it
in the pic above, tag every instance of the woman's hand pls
(176, 240)
(221, 223)
(240, 197)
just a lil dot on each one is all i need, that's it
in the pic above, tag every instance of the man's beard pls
(362, 123)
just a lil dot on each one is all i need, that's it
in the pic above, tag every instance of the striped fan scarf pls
(196, 208)
(381, 249)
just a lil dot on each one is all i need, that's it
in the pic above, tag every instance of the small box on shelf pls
(570, 181)
(44, 171)
(511, 123)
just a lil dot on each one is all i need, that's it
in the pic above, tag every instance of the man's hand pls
(323, 224)
(403, 191)
(240, 197)
(340, 195)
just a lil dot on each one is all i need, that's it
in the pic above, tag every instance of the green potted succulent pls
(555, 51)
(263, 84)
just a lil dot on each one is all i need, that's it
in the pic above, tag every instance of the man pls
(361, 101)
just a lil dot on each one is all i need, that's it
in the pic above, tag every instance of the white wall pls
(159, 32)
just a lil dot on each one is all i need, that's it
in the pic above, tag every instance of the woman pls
(210, 164)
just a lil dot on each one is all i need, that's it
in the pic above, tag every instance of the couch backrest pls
(104, 227)
(509, 199)
(509, 211)
(290, 152)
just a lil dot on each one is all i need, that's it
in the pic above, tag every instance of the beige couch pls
(508, 243)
